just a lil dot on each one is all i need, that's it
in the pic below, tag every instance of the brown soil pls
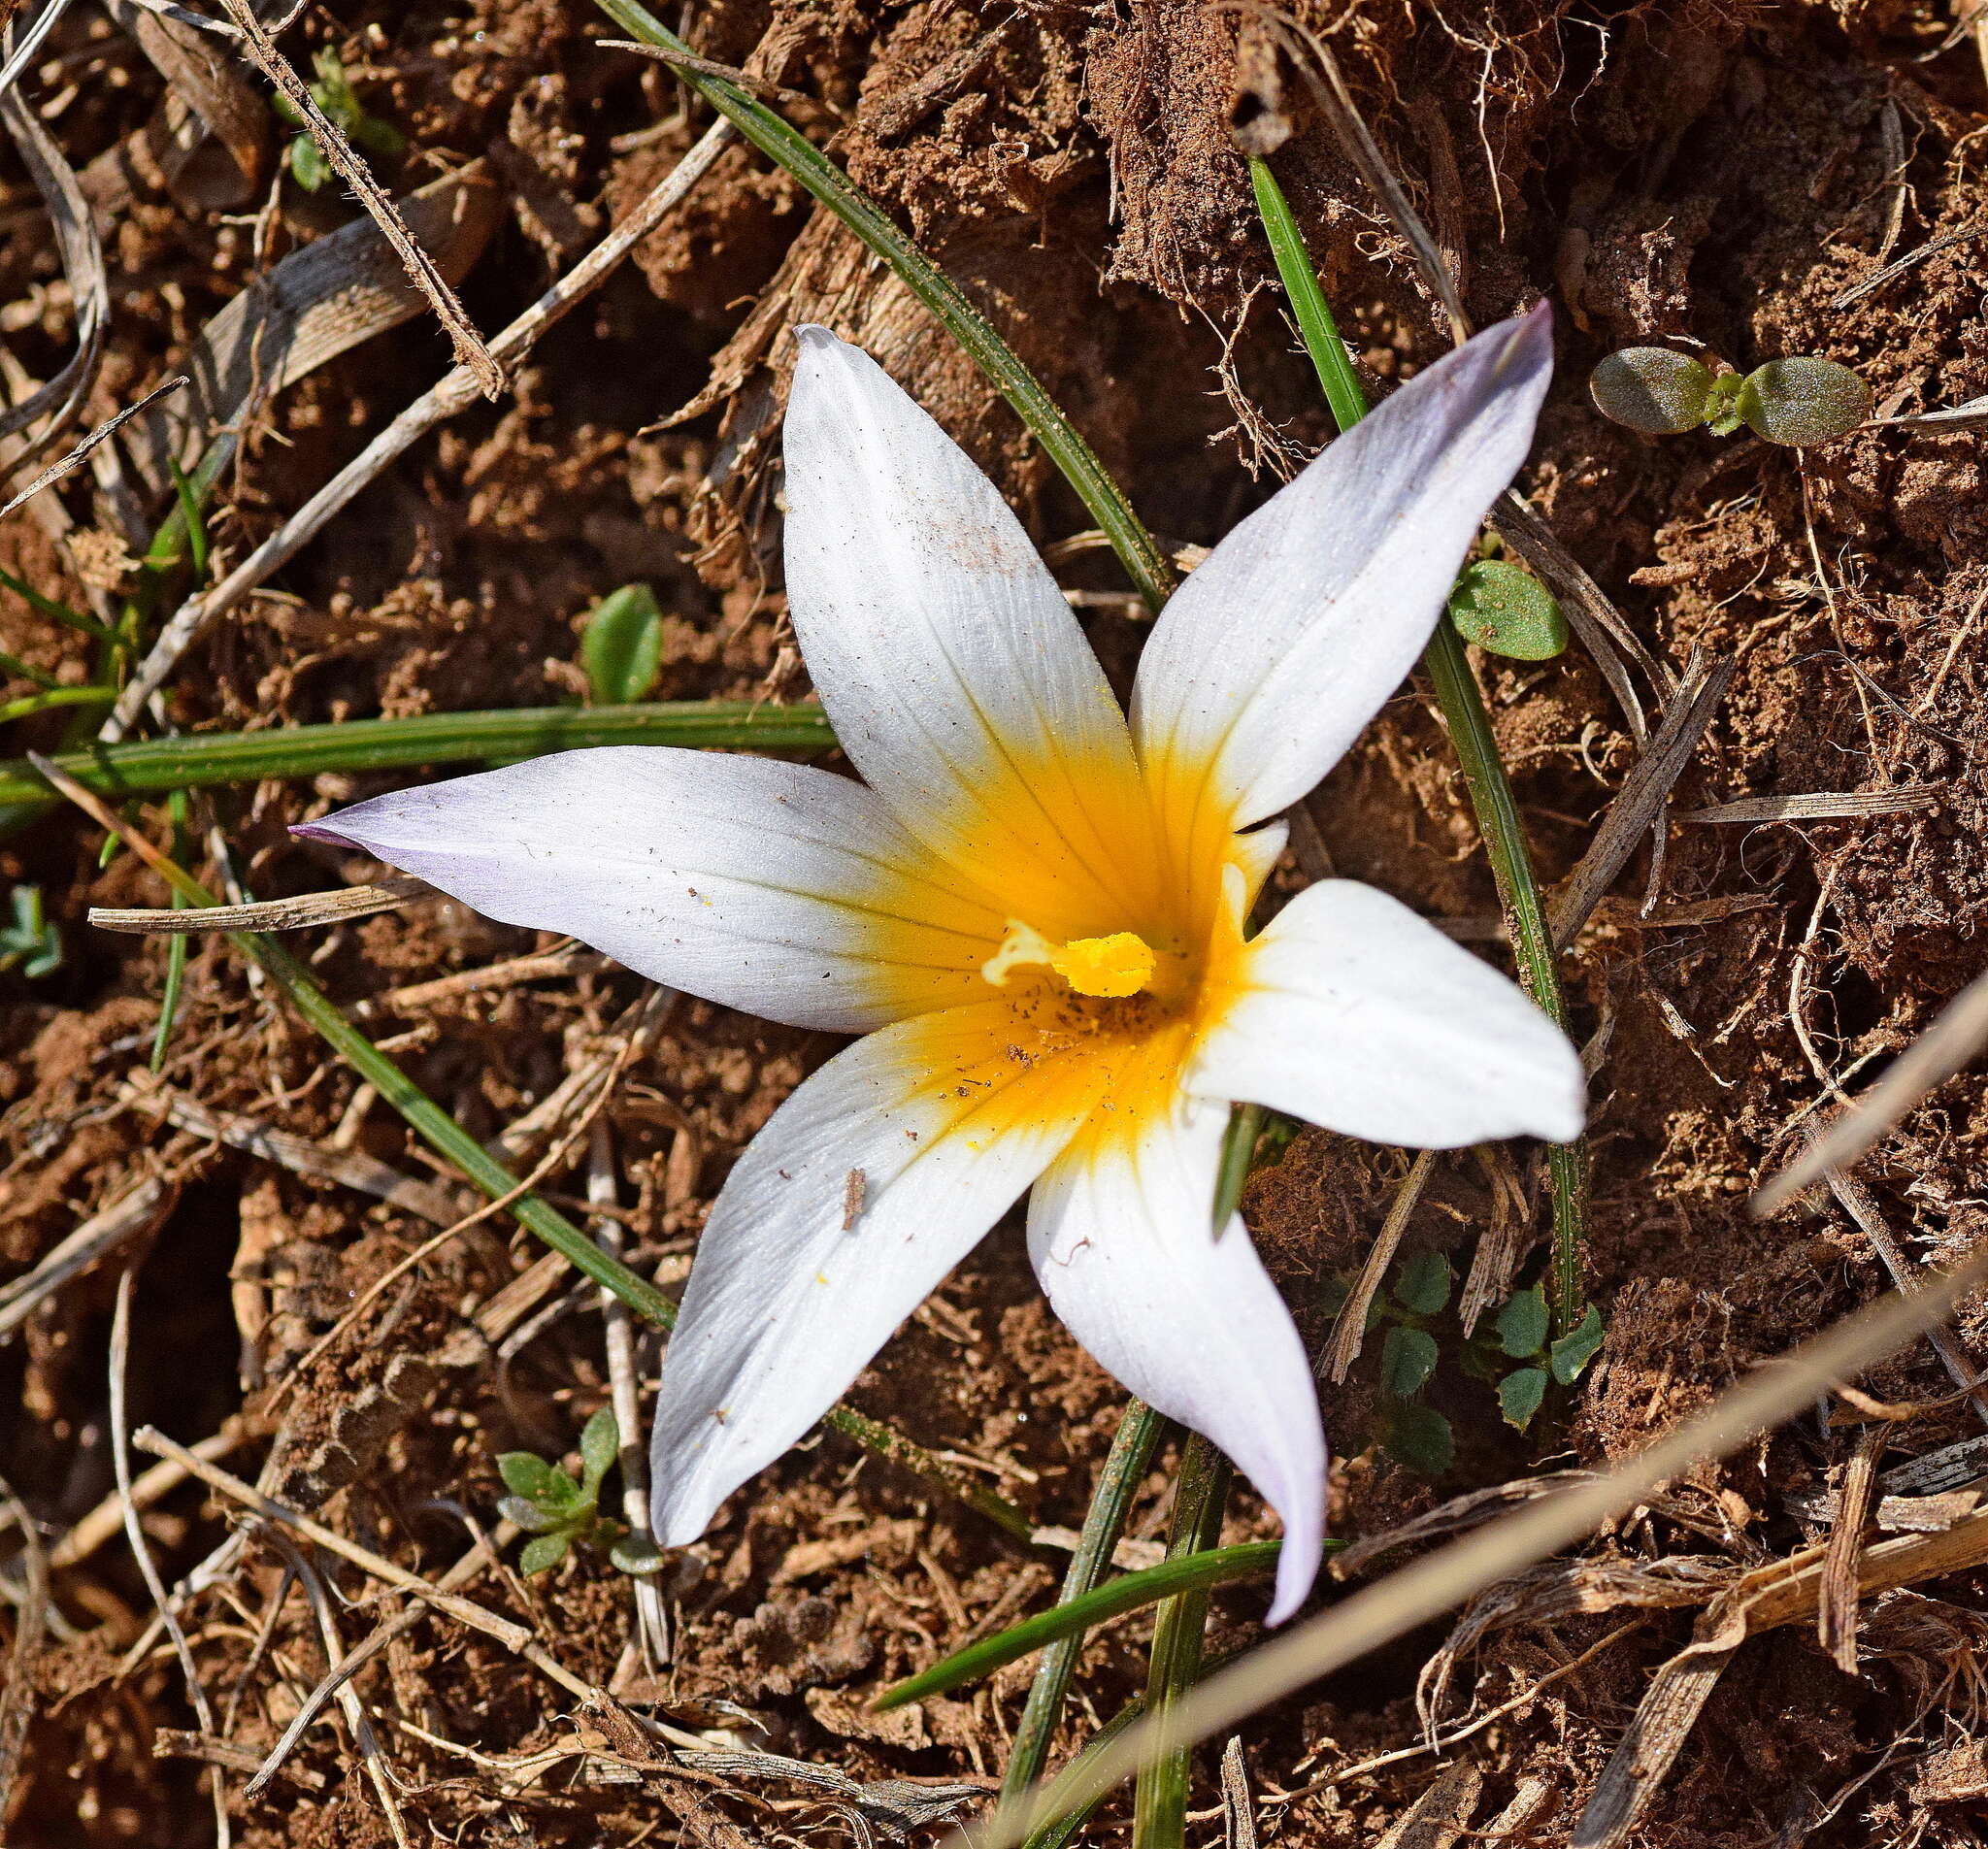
(1680, 168)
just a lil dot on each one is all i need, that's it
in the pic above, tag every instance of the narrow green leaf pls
(191, 513)
(198, 760)
(1130, 1592)
(622, 646)
(25, 670)
(1572, 1352)
(1522, 1324)
(1407, 1358)
(542, 1553)
(1521, 1394)
(1422, 1283)
(1140, 1430)
(308, 165)
(30, 704)
(43, 606)
(599, 1444)
(1418, 1438)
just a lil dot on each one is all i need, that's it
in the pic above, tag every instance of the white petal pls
(791, 1292)
(958, 681)
(766, 886)
(1353, 1012)
(1269, 661)
(1119, 1232)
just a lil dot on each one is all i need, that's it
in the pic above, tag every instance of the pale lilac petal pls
(1270, 660)
(803, 1273)
(1119, 1232)
(770, 887)
(1352, 1012)
(958, 682)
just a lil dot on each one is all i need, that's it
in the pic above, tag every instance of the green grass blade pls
(194, 518)
(30, 704)
(57, 613)
(1138, 1432)
(1159, 1804)
(150, 767)
(176, 947)
(1188, 1572)
(26, 671)
(1462, 701)
(1063, 1831)
(777, 139)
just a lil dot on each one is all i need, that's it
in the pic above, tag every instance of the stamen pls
(1119, 965)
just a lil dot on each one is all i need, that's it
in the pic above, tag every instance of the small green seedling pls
(556, 1511)
(1416, 1436)
(1523, 1333)
(1504, 610)
(1661, 393)
(30, 940)
(622, 646)
(334, 94)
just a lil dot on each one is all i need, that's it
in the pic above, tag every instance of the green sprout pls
(1792, 401)
(334, 94)
(31, 940)
(557, 1511)
(621, 648)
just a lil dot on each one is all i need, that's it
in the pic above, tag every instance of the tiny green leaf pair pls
(621, 648)
(557, 1509)
(1661, 393)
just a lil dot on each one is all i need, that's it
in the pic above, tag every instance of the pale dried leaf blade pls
(1641, 797)
(56, 470)
(1820, 805)
(319, 302)
(267, 914)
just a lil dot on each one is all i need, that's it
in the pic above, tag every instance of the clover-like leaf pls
(1804, 400)
(1420, 1439)
(1523, 1324)
(543, 1552)
(599, 1444)
(527, 1475)
(1421, 1284)
(622, 646)
(308, 165)
(1503, 608)
(1652, 389)
(1572, 1352)
(1521, 1394)
(1407, 1358)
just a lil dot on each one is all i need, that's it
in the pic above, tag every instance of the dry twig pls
(309, 909)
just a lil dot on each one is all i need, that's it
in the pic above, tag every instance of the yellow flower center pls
(1120, 964)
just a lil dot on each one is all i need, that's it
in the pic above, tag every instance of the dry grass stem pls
(56, 470)
(1820, 805)
(129, 1218)
(1639, 802)
(134, 1531)
(1349, 1327)
(260, 50)
(1955, 1037)
(268, 915)
(147, 1489)
(299, 1155)
(551, 966)
(1835, 1606)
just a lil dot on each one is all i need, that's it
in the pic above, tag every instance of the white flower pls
(1033, 912)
